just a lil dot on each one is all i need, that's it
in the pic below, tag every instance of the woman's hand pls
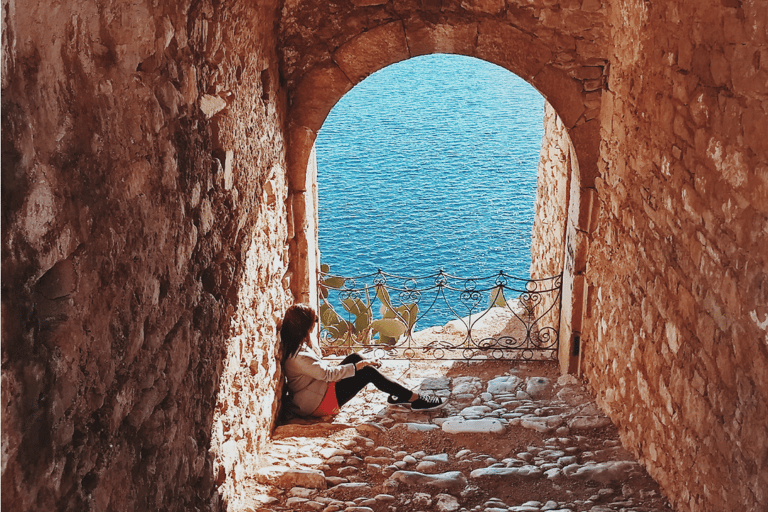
(366, 362)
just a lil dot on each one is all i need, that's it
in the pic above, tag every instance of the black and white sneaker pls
(425, 402)
(399, 400)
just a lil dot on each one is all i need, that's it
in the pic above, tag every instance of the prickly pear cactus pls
(359, 328)
(395, 321)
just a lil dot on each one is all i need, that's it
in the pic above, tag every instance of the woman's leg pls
(347, 388)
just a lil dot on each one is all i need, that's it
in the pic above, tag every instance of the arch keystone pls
(372, 50)
(425, 39)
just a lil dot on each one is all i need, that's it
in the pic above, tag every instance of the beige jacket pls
(308, 376)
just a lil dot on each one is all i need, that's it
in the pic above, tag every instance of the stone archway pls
(573, 90)
(557, 50)
(145, 215)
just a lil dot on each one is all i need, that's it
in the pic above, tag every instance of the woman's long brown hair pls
(298, 321)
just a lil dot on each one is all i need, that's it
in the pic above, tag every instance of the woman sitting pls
(318, 389)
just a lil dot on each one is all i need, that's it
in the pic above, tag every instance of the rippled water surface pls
(431, 164)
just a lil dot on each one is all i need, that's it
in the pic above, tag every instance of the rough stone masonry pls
(157, 218)
(144, 227)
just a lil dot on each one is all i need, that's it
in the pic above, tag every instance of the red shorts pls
(329, 406)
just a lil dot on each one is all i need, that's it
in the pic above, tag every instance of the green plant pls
(363, 315)
(332, 323)
(326, 281)
(394, 322)
(343, 332)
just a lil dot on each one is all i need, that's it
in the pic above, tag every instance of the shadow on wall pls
(112, 359)
(142, 162)
(125, 249)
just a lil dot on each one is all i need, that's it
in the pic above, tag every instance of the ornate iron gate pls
(440, 316)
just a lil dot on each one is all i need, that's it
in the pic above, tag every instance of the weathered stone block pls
(372, 50)
(587, 72)
(512, 49)
(424, 38)
(317, 94)
(747, 78)
(303, 139)
(591, 5)
(452, 481)
(212, 105)
(484, 6)
(288, 478)
(60, 281)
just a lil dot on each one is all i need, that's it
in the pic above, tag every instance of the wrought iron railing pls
(440, 316)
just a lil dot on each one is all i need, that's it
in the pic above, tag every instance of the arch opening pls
(440, 151)
(468, 176)
(322, 85)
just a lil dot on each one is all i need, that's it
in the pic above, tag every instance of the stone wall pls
(143, 260)
(677, 323)
(151, 216)
(552, 188)
(555, 231)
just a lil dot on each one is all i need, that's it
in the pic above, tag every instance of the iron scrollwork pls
(440, 316)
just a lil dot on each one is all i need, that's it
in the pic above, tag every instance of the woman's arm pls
(308, 363)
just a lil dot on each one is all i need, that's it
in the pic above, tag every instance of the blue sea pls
(430, 164)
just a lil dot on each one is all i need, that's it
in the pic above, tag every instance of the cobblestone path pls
(512, 437)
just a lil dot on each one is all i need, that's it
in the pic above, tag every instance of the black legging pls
(347, 388)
